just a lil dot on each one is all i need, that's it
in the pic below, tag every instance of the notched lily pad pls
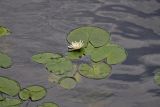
(7, 102)
(49, 104)
(33, 92)
(5, 61)
(59, 66)
(43, 58)
(24, 94)
(97, 71)
(157, 77)
(97, 36)
(67, 82)
(4, 31)
(9, 86)
(115, 54)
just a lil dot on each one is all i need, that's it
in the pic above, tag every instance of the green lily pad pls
(43, 58)
(49, 104)
(24, 94)
(76, 54)
(5, 61)
(115, 54)
(4, 31)
(157, 77)
(98, 71)
(97, 36)
(9, 86)
(67, 82)
(10, 102)
(96, 54)
(33, 92)
(78, 34)
(59, 66)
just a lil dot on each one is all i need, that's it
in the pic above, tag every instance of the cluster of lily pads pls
(12, 95)
(84, 41)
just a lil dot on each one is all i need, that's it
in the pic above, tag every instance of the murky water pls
(42, 25)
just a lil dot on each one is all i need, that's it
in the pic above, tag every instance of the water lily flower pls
(76, 45)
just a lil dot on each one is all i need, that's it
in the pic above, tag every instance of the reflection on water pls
(42, 25)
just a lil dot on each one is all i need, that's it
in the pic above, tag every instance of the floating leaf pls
(98, 71)
(76, 54)
(10, 102)
(43, 58)
(5, 61)
(115, 54)
(4, 31)
(67, 82)
(49, 104)
(59, 66)
(157, 77)
(24, 94)
(78, 34)
(99, 37)
(9, 86)
(34, 92)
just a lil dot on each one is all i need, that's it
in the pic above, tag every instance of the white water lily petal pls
(76, 45)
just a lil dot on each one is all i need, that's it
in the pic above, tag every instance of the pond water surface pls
(42, 26)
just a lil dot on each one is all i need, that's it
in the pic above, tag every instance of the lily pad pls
(24, 94)
(43, 58)
(67, 82)
(9, 86)
(33, 92)
(115, 54)
(157, 77)
(96, 54)
(59, 66)
(76, 54)
(5, 61)
(78, 34)
(97, 71)
(77, 76)
(7, 102)
(97, 36)
(49, 104)
(4, 31)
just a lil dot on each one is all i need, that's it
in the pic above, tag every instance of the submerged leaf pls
(5, 61)
(43, 58)
(49, 104)
(67, 82)
(59, 66)
(98, 71)
(4, 31)
(9, 86)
